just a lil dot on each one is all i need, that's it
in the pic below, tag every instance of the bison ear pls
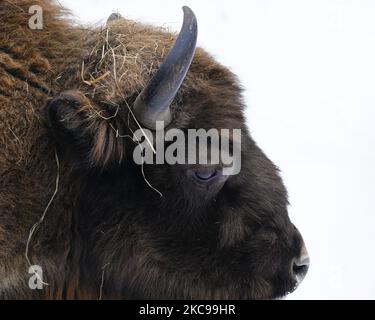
(86, 138)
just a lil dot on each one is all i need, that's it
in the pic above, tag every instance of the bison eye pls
(205, 174)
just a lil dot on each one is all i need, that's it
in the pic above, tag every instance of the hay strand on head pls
(40, 221)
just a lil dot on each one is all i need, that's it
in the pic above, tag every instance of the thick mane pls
(31, 55)
(30, 62)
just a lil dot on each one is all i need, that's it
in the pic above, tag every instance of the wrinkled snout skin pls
(111, 228)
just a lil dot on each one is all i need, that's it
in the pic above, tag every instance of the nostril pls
(300, 267)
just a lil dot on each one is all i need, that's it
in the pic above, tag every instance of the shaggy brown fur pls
(105, 220)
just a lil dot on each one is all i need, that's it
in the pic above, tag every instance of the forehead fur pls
(125, 55)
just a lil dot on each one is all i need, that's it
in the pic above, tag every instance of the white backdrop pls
(309, 72)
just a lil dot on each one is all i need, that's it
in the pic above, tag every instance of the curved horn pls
(153, 103)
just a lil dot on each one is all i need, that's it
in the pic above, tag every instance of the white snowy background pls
(309, 72)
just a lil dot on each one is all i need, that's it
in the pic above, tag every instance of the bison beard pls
(107, 233)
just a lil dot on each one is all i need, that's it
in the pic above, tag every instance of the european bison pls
(76, 206)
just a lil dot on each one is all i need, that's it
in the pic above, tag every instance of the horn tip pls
(188, 11)
(190, 18)
(113, 17)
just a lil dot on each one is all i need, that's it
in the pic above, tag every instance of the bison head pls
(162, 230)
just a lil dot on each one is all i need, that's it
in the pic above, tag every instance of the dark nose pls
(300, 265)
